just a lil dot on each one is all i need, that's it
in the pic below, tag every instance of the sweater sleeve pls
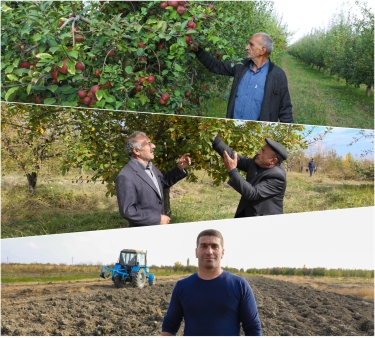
(285, 109)
(218, 145)
(214, 65)
(248, 312)
(266, 188)
(173, 318)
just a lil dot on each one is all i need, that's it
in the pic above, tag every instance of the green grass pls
(40, 279)
(321, 192)
(58, 206)
(319, 99)
(61, 206)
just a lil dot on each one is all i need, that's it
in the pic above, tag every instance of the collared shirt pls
(148, 170)
(250, 93)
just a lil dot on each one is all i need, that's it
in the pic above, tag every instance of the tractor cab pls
(131, 267)
(130, 258)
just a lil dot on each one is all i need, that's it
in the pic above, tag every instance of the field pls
(61, 205)
(97, 307)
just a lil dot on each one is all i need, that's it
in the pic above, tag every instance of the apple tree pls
(30, 137)
(123, 55)
(94, 139)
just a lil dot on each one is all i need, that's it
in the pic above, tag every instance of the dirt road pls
(97, 307)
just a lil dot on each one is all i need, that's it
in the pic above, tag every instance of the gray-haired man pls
(260, 88)
(139, 186)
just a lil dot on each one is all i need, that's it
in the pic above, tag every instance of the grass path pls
(61, 206)
(318, 99)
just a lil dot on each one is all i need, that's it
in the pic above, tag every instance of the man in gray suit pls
(262, 192)
(139, 186)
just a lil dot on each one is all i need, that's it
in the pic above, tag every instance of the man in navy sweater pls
(212, 302)
(260, 88)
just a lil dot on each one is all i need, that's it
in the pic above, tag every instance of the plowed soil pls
(97, 307)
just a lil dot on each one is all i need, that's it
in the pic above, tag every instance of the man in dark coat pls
(262, 192)
(260, 88)
(139, 186)
(311, 166)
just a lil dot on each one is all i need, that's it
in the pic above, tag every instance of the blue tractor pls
(131, 267)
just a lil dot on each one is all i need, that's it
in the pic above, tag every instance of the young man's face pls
(265, 157)
(209, 252)
(147, 153)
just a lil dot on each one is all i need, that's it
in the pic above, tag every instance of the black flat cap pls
(277, 148)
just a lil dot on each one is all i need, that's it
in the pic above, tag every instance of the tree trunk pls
(368, 90)
(167, 202)
(32, 179)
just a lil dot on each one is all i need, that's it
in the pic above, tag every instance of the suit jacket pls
(276, 103)
(138, 199)
(262, 193)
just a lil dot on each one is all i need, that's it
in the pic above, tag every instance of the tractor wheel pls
(138, 281)
(118, 282)
(152, 283)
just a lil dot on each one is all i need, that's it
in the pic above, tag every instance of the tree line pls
(345, 48)
(276, 271)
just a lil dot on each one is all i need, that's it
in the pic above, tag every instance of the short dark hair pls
(211, 232)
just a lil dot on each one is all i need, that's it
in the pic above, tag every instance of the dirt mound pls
(99, 308)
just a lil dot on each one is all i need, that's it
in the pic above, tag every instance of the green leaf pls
(10, 92)
(37, 37)
(110, 99)
(50, 100)
(138, 28)
(161, 26)
(181, 41)
(177, 67)
(16, 62)
(71, 66)
(9, 69)
(12, 77)
(129, 69)
(143, 99)
(73, 54)
(44, 56)
(52, 88)
(165, 72)
(28, 89)
(99, 94)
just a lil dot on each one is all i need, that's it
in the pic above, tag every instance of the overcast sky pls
(302, 16)
(330, 239)
(340, 138)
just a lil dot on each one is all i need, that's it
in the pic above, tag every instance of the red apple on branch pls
(165, 97)
(82, 93)
(180, 10)
(64, 68)
(80, 66)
